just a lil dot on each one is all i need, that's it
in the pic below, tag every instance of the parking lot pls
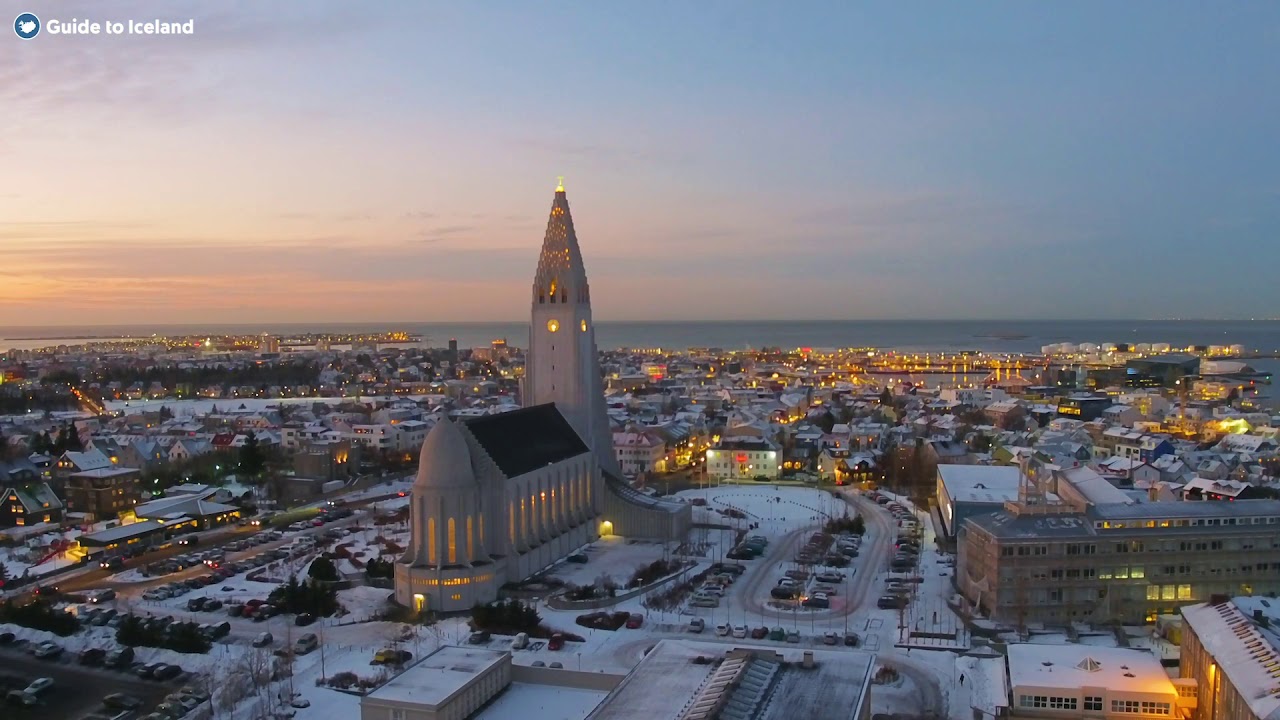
(77, 691)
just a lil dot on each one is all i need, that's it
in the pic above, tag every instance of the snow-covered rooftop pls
(980, 483)
(439, 675)
(1071, 667)
(1245, 650)
(668, 680)
(542, 702)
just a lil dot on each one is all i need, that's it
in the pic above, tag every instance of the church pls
(501, 497)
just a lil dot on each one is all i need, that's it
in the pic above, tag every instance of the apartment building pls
(744, 458)
(103, 493)
(1230, 650)
(1043, 559)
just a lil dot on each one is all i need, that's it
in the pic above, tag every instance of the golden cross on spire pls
(560, 184)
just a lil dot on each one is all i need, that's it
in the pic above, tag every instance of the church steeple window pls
(453, 542)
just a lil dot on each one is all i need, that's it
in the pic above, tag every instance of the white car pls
(722, 630)
(740, 631)
(39, 685)
(715, 590)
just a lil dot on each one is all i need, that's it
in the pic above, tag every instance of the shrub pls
(323, 569)
(505, 617)
(296, 597)
(379, 568)
(181, 637)
(655, 570)
(855, 525)
(39, 615)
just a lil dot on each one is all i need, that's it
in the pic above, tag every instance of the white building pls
(744, 458)
(1086, 681)
(449, 684)
(638, 451)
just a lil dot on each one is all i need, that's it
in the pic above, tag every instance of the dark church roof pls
(524, 440)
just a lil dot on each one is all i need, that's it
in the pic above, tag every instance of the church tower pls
(563, 367)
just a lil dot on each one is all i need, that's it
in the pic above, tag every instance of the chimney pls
(807, 663)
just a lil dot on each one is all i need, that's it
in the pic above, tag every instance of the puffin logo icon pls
(27, 26)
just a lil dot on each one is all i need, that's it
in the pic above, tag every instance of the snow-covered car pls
(740, 631)
(722, 629)
(39, 685)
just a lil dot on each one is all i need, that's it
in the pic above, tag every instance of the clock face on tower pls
(553, 325)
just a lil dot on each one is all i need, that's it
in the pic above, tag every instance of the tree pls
(252, 459)
(165, 413)
(322, 568)
(42, 443)
(73, 442)
(826, 421)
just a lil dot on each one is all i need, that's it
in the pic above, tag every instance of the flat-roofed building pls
(1057, 562)
(449, 684)
(743, 681)
(1086, 681)
(103, 493)
(968, 490)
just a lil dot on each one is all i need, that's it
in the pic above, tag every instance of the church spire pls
(561, 277)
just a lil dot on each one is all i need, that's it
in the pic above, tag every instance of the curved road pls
(861, 592)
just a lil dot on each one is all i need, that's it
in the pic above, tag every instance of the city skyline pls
(723, 162)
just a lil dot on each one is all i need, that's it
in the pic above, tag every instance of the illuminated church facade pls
(500, 497)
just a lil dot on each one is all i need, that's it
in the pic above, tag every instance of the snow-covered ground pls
(614, 557)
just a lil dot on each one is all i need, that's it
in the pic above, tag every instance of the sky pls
(340, 162)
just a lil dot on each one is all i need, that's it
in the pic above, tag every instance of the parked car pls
(697, 625)
(120, 701)
(891, 602)
(391, 656)
(479, 637)
(520, 642)
(166, 672)
(634, 621)
(556, 642)
(47, 650)
(39, 685)
(92, 656)
(121, 658)
(578, 558)
(739, 631)
(263, 640)
(145, 671)
(723, 630)
(304, 619)
(21, 697)
(306, 644)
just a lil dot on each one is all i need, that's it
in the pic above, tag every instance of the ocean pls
(1011, 336)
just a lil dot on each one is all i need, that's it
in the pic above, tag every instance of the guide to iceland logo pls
(27, 25)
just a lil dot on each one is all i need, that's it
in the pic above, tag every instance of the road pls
(77, 690)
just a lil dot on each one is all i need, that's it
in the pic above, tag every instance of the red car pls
(556, 642)
(635, 621)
